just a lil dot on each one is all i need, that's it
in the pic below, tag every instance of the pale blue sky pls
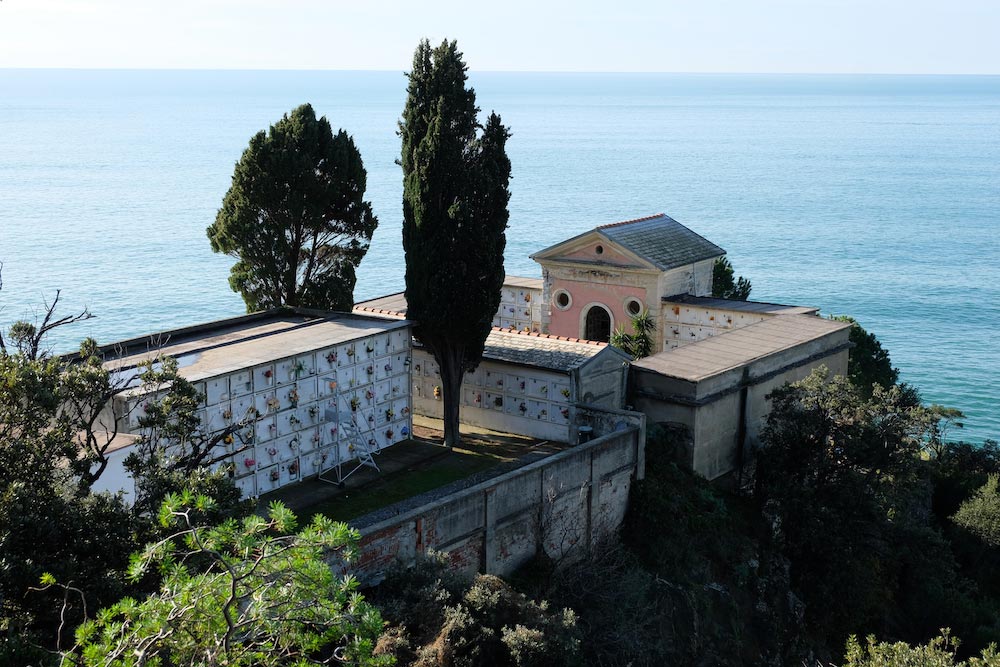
(893, 36)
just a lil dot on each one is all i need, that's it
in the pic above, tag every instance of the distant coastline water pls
(875, 196)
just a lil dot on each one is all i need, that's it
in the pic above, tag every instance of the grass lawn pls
(456, 464)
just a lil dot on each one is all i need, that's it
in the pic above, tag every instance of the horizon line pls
(492, 71)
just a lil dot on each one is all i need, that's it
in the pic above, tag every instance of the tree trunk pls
(450, 363)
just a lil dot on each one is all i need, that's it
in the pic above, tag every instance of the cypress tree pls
(455, 193)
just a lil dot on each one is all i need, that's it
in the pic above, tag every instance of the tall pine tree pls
(295, 217)
(455, 193)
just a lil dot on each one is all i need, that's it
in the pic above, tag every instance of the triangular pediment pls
(593, 247)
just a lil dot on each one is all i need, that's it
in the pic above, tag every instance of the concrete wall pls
(602, 381)
(527, 410)
(711, 409)
(684, 323)
(693, 279)
(564, 504)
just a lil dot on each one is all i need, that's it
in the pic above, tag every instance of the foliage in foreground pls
(440, 619)
(295, 217)
(244, 593)
(869, 363)
(939, 652)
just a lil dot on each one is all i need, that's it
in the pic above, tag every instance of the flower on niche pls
(272, 452)
(565, 393)
(437, 391)
(370, 370)
(228, 439)
(249, 463)
(275, 475)
(227, 414)
(389, 434)
(350, 351)
(389, 414)
(268, 373)
(293, 468)
(331, 357)
(293, 397)
(273, 404)
(523, 408)
(355, 403)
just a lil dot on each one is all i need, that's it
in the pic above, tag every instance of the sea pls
(873, 196)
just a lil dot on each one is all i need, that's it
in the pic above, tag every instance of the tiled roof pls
(662, 241)
(554, 353)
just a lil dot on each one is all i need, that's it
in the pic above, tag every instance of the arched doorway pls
(597, 325)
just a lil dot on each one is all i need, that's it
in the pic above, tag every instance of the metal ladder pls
(361, 443)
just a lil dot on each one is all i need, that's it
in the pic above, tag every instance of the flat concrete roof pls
(226, 346)
(737, 348)
(523, 282)
(554, 353)
(740, 306)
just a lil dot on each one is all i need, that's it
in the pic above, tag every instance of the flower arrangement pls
(565, 392)
(527, 297)
(544, 389)
(273, 404)
(369, 348)
(293, 397)
(499, 382)
(350, 447)
(332, 384)
(372, 443)
(268, 374)
(523, 408)
(416, 367)
(369, 394)
(395, 389)
(293, 420)
(323, 457)
(405, 431)
(249, 463)
(253, 413)
(248, 436)
(331, 358)
(313, 411)
(370, 370)
(228, 439)
(333, 431)
(371, 419)
(478, 399)
(405, 411)
(272, 452)
(389, 433)
(350, 351)
(227, 414)
(522, 385)
(565, 413)
(389, 413)
(293, 468)
(498, 401)
(272, 428)
(543, 413)
(388, 368)
(355, 403)
(298, 368)
(316, 438)
(294, 444)
(437, 392)
(275, 475)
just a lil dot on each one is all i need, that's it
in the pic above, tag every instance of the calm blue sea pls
(876, 196)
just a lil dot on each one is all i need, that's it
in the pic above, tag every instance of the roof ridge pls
(536, 334)
(629, 222)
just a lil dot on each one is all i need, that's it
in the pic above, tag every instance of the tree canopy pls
(724, 283)
(869, 362)
(295, 217)
(455, 192)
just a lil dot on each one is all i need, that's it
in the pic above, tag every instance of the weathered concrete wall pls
(693, 279)
(564, 504)
(602, 381)
(711, 409)
(685, 323)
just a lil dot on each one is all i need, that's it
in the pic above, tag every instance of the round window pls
(599, 250)
(633, 306)
(562, 300)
